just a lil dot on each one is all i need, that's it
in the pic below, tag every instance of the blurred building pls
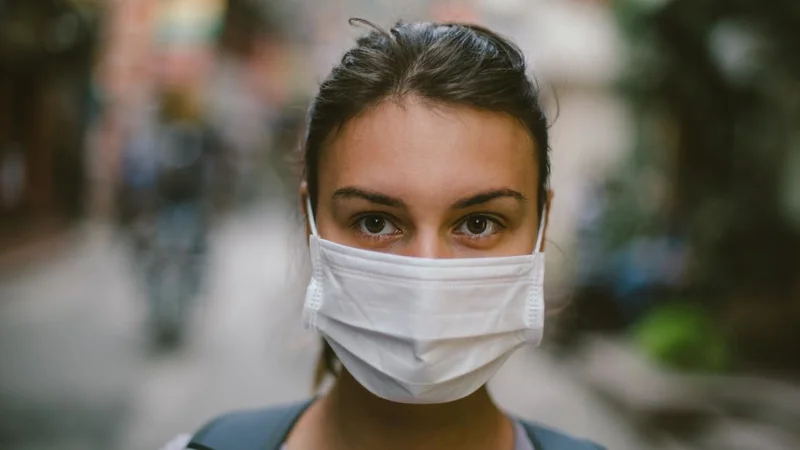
(46, 50)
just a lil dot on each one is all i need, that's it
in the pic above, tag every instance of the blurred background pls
(152, 258)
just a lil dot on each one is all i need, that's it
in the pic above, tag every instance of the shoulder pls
(245, 419)
(545, 438)
(269, 426)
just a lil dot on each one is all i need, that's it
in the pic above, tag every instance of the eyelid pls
(499, 220)
(388, 217)
(496, 220)
(360, 216)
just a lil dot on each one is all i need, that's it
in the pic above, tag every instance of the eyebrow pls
(386, 200)
(370, 196)
(485, 197)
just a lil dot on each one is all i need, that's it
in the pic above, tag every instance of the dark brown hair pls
(446, 63)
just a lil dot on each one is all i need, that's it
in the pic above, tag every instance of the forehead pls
(422, 152)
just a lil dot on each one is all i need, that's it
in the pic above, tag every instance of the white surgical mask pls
(419, 330)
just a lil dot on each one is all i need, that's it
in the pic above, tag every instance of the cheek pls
(520, 241)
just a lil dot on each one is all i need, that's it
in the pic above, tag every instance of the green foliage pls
(683, 337)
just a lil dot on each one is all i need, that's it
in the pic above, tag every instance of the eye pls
(478, 226)
(376, 225)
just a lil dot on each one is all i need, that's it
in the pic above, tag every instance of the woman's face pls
(430, 181)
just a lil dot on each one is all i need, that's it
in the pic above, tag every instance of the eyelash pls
(356, 225)
(378, 237)
(493, 220)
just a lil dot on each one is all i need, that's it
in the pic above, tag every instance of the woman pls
(426, 174)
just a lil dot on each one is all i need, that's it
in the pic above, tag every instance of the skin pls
(422, 180)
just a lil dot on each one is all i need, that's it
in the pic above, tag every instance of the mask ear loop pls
(310, 214)
(542, 223)
(541, 231)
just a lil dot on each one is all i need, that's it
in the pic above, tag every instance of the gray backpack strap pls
(547, 439)
(264, 429)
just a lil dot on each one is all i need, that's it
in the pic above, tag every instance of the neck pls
(357, 419)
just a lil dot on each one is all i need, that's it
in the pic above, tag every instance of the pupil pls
(477, 225)
(375, 224)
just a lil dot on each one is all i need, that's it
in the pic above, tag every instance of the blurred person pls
(426, 197)
(169, 176)
(139, 166)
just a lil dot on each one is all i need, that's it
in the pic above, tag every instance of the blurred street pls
(78, 373)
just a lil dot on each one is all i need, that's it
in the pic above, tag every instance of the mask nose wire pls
(310, 217)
